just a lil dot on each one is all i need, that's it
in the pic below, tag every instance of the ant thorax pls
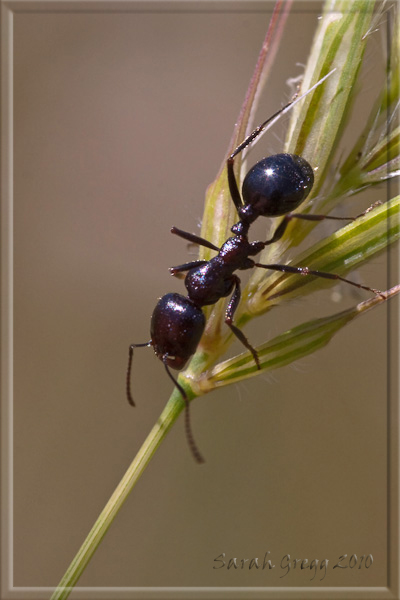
(207, 283)
(234, 252)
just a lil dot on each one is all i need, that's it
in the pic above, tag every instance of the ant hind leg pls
(323, 274)
(233, 185)
(280, 230)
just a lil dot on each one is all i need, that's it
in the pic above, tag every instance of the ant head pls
(177, 325)
(276, 186)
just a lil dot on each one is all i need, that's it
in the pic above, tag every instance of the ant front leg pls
(186, 266)
(230, 311)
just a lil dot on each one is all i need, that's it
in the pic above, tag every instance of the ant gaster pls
(274, 187)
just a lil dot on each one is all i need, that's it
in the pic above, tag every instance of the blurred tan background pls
(121, 121)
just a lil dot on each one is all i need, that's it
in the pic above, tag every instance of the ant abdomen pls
(177, 325)
(276, 185)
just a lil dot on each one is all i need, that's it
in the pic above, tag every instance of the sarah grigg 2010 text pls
(288, 564)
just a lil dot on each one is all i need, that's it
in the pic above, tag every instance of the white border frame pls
(8, 8)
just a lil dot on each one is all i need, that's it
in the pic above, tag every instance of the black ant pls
(274, 187)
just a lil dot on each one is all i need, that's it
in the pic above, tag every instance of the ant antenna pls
(189, 435)
(128, 372)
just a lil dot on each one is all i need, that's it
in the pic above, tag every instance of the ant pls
(273, 187)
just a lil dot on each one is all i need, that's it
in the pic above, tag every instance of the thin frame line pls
(7, 305)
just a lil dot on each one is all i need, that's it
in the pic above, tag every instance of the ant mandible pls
(273, 187)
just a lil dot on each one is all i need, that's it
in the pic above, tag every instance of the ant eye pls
(278, 184)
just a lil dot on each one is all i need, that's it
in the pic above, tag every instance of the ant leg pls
(189, 435)
(307, 271)
(280, 230)
(258, 130)
(187, 266)
(230, 311)
(128, 372)
(233, 186)
(195, 239)
(322, 217)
